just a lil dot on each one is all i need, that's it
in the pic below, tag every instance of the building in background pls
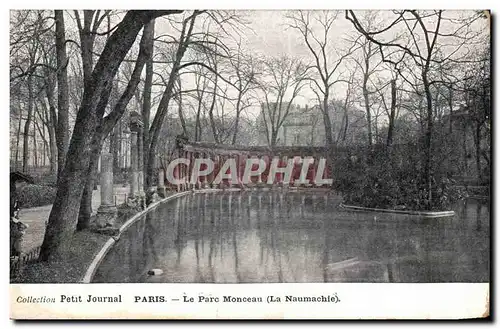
(304, 126)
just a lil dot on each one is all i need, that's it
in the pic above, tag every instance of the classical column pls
(283, 162)
(208, 178)
(215, 171)
(140, 162)
(136, 186)
(241, 168)
(182, 170)
(259, 180)
(222, 159)
(187, 175)
(134, 174)
(106, 214)
(277, 177)
(314, 170)
(310, 173)
(162, 192)
(197, 155)
(203, 180)
(238, 162)
(177, 172)
(187, 170)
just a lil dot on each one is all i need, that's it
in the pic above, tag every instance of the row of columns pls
(184, 172)
(107, 211)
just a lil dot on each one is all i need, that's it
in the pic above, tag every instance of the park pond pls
(291, 236)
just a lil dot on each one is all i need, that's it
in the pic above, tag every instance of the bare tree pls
(188, 38)
(368, 63)
(108, 122)
(281, 82)
(345, 105)
(244, 80)
(317, 29)
(422, 30)
(389, 108)
(63, 216)
(154, 131)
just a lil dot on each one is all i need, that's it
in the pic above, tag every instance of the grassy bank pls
(71, 265)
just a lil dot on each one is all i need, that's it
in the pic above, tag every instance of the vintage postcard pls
(250, 164)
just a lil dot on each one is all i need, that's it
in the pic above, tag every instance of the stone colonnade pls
(107, 211)
(221, 153)
(217, 153)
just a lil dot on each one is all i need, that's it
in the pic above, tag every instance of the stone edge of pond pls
(91, 269)
(423, 214)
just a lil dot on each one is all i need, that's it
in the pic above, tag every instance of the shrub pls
(46, 179)
(32, 195)
(389, 178)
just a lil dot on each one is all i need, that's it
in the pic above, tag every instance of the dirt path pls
(36, 217)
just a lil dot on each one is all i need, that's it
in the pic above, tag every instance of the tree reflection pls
(279, 236)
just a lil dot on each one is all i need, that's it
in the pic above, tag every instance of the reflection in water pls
(297, 237)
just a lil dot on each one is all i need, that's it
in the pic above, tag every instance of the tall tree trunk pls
(211, 115)
(85, 212)
(274, 137)
(62, 126)
(181, 113)
(237, 119)
(197, 124)
(390, 130)
(50, 120)
(368, 112)
(146, 105)
(86, 44)
(18, 138)
(450, 105)
(464, 148)
(367, 50)
(326, 120)
(41, 132)
(346, 126)
(44, 154)
(114, 147)
(27, 124)
(428, 139)
(35, 147)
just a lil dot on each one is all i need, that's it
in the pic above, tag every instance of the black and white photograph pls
(249, 148)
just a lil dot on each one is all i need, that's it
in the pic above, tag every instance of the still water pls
(270, 236)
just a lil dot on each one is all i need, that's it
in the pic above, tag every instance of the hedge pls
(32, 195)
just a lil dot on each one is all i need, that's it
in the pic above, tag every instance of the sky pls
(268, 34)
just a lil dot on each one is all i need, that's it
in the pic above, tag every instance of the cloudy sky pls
(268, 34)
